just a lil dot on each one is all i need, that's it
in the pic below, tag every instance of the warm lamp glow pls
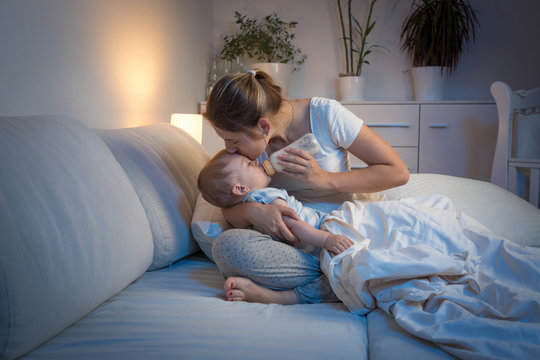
(191, 123)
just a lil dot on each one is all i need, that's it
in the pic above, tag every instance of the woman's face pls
(242, 143)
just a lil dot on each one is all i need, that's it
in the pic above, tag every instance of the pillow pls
(207, 224)
(163, 163)
(504, 213)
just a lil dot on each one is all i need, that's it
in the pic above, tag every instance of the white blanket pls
(443, 276)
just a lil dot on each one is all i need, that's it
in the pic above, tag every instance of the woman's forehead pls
(225, 134)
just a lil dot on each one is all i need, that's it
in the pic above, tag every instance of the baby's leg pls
(272, 265)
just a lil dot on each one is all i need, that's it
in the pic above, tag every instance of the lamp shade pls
(191, 123)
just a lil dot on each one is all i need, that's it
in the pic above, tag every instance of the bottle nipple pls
(267, 166)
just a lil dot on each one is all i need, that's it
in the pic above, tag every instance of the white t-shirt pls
(336, 128)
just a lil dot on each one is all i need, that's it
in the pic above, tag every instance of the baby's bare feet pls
(243, 289)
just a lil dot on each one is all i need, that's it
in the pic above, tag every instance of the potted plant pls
(356, 49)
(269, 41)
(434, 35)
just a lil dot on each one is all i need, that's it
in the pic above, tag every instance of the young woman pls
(249, 113)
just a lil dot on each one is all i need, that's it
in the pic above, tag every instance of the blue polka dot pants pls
(272, 264)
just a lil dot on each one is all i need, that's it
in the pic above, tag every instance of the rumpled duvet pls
(442, 275)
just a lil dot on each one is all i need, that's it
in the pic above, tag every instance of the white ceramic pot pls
(428, 83)
(351, 88)
(280, 72)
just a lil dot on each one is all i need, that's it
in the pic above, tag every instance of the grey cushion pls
(163, 163)
(73, 232)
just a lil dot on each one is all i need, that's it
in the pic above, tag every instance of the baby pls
(229, 179)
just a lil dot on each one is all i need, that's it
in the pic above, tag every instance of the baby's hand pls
(337, 243)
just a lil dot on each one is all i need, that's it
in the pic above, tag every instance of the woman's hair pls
(215, 181)
(238, 101)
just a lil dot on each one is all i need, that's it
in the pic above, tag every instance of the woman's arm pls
(385, 167)
(268, 219)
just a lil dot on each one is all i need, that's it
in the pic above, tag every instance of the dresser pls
(447, 137)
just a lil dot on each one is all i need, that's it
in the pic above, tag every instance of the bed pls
(106, 267)
(181, 309)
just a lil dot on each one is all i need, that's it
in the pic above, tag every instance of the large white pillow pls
(499, 210)
(163, 164)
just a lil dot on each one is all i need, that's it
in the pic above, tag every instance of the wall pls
(506, 48)
(109, 63)
(114, 63)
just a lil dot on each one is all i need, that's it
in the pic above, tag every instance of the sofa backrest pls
(73, 231)
(163, 164)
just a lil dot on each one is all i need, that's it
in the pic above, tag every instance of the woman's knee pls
(230, 250)
(233, 241)
(251, 254)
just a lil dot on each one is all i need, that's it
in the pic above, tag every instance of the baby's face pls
(248, 172)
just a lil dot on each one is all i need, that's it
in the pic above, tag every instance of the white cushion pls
(207, 224)
(73, 230)
(499, 210)
(163, 163)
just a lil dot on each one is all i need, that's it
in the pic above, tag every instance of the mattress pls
(179, 313)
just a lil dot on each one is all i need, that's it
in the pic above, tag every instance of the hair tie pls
(252, 72)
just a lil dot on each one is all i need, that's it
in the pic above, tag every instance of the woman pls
(249, 113)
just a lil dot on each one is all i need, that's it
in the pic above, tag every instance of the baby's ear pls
(240, 190)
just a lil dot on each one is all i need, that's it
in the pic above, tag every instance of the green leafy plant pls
(356, 51)
(436, 32)
(267, 40)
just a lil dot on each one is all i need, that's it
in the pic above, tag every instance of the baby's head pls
(227, 178)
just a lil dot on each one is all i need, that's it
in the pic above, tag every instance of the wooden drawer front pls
(396, 124)
(408, 154)
(458, 140)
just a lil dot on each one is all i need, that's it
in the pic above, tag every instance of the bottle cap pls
(267, 166)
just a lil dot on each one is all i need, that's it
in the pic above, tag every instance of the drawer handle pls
(438, 126)
(389, 125)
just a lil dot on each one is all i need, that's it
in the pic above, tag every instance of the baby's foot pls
(243, 289)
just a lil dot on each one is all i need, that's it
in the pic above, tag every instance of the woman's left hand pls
(299, 164)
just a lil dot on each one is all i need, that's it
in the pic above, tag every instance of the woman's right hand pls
(268, 219)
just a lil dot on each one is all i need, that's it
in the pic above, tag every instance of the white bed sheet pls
(441, 274)
(179, 313)
(389, 341)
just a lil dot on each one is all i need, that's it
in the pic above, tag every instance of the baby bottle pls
(306, 142)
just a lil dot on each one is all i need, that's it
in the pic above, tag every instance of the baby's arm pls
(304, 232)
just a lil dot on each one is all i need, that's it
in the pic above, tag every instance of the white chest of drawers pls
(448, 137)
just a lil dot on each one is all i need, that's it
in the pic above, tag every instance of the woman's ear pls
(264, 125)
(240, 190)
